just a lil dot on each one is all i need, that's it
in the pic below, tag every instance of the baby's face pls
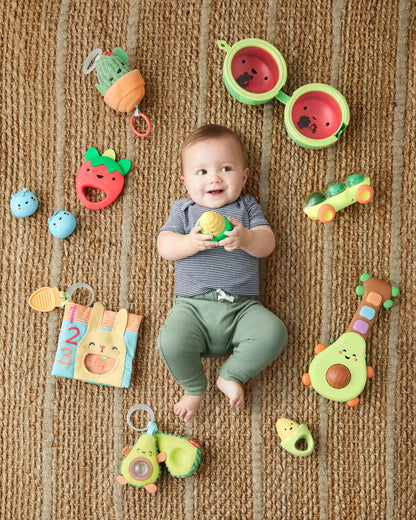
(213, 171)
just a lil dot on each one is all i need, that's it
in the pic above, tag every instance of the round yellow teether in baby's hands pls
(212, 223)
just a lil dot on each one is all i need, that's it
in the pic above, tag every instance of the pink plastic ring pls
(149, 127)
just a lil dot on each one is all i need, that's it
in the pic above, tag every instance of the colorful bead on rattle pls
(122, 88)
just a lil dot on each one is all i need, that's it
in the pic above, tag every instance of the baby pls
(215, 313)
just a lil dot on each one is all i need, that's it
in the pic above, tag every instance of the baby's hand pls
(199, 241)
(237, 238)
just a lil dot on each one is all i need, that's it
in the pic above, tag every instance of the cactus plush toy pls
(122, 88)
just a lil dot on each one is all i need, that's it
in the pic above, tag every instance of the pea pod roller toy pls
(122, 88)
(339, 372)
(255, 72)
(322, 206)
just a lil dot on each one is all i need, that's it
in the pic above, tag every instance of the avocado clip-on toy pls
(291, 434)
(322, 206)
(212, 223)
(254, 72)
(122, 88)
(339, 372)
(103, 173)
(140, 466)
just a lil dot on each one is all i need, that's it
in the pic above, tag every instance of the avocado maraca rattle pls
(212, 223)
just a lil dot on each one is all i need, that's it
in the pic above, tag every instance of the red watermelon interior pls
(316, 115)
(255, 70)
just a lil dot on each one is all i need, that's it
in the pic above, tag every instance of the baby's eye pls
(201, 172)
(226, 169)
(114, 348)
(92, 344)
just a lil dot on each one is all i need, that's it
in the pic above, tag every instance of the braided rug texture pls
(61, 439)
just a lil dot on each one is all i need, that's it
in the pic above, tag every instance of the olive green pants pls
(247, 333)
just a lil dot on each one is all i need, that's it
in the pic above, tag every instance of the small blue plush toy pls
(62, 223)
(24, 203)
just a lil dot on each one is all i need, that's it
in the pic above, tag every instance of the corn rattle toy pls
(212, 223)
(291, 434)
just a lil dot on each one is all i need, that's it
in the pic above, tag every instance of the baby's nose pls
(215, 178)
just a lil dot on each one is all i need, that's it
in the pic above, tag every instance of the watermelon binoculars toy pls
(254, 72)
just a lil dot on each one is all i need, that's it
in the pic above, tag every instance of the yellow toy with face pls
(101, 353)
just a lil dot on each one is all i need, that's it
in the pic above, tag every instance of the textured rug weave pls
(61, 439)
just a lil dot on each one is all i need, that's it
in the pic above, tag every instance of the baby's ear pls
(246, 174)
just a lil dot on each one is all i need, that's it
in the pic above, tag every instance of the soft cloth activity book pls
(97, 345)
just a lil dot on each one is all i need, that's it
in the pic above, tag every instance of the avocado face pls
(339, 372)
(140, 467)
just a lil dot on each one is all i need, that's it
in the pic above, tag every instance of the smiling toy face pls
(101, 353)
(24, 203)
(101, 173)
(103, 357)
(316, 115)
(62, 224)
(339, 372)
(255, 70)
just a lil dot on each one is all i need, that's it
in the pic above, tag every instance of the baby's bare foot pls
(233, 390)
(187, 406)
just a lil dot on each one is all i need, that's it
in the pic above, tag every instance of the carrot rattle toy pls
(122, 88)
(339, 371)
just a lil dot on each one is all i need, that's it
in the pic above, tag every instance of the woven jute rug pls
(61, 439)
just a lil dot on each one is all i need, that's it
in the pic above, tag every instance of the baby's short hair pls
(211, 131)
